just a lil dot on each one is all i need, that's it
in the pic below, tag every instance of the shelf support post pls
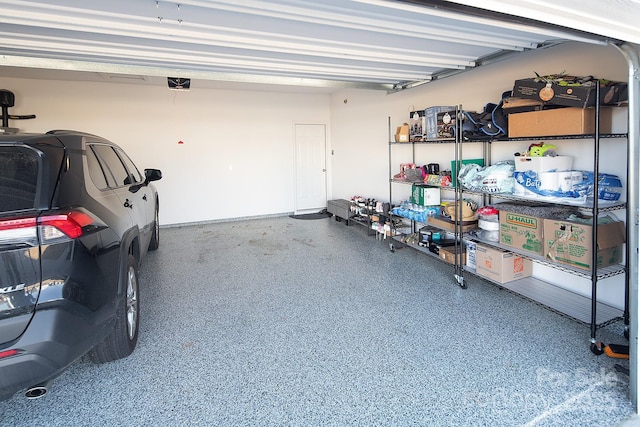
(631, 53)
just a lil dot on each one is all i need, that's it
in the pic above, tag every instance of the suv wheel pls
(155, 236)
(122, 340)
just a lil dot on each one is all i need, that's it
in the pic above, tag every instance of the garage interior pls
(227, 149)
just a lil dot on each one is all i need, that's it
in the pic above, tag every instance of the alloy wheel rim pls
(132, 303)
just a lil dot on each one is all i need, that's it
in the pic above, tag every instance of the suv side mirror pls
(152, 175)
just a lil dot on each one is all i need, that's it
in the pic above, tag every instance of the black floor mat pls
(317, 215)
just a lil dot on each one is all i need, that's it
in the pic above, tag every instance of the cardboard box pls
(417, 125)
(543, 164)
(512, 105)
(425, 196)
(440, 122)
(501, 266)
(402, 133)
(448, 254)
(471, 254)
(559, 121)
(436, 246)
(446, 224)
(571, 96)
(522, 232)
(571, 243)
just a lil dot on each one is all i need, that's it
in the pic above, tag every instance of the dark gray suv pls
(76, 220)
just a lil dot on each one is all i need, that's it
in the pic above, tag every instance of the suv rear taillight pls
(70, 224)
(8, 353)
(50, 228)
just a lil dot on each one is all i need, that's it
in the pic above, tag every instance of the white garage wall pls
(237, 159)
(360, 135)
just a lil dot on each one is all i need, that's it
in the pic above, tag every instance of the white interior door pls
(311, 168)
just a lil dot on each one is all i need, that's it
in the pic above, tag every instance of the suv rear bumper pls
(54, 339)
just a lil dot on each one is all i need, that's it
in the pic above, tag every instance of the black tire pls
(121, 342)
(154, 243)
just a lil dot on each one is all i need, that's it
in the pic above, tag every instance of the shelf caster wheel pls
(392, 248)
(597, 348)
(460, 281)
(626, 332)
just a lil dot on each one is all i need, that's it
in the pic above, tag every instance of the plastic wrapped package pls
(497, 178)
(415, 212)
(609, 186)
(566, 186)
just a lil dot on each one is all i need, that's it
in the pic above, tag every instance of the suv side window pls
(108, 157)
(101, 178)
(133, 170)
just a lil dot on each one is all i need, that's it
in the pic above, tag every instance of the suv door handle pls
(128, 204)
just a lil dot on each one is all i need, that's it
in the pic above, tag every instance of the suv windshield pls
(19, 169)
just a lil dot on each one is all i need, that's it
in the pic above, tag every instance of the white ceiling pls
(375, 44)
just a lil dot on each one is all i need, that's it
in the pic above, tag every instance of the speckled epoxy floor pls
(291, 322)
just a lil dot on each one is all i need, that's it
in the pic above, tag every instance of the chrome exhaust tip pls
(37, 391)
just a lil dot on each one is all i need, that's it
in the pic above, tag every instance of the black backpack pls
(491, 123)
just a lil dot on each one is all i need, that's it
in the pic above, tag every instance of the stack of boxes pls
(549, 236)
(573, 94)
(554, 106)
(545, 233)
